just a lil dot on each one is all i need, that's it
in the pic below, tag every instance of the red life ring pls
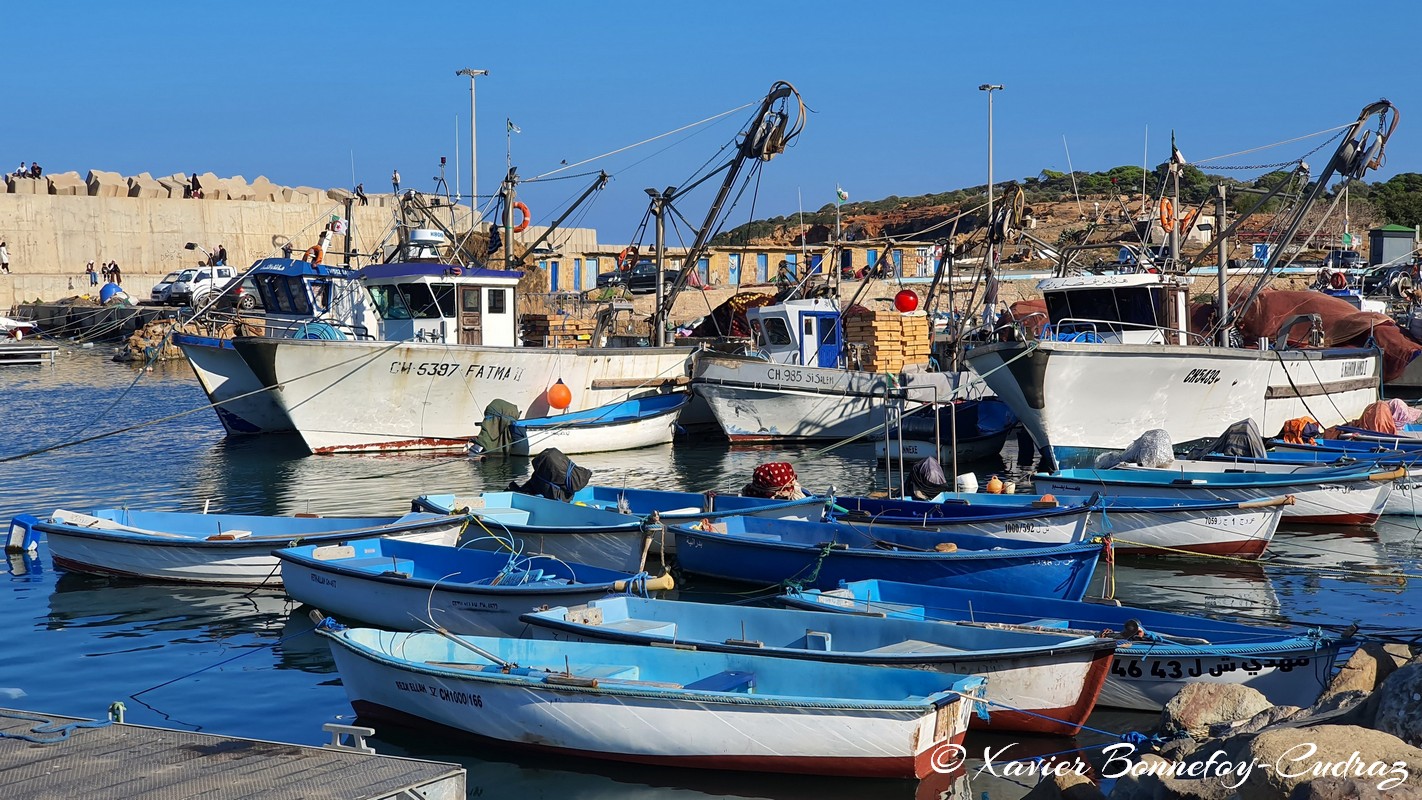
(527, 218)
(313, 254)
(627, 258)
(1339, 281)
(1167, 213)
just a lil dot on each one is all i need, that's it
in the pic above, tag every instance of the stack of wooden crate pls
(557, 330)
(887, 341)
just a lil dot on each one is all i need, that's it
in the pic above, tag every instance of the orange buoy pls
(994, 485)
(560, 396)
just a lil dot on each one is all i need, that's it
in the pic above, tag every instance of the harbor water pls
(245, 663)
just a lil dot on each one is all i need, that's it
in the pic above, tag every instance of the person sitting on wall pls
(36, 170)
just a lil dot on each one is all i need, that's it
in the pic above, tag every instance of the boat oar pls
(470, 646)
(661, 583)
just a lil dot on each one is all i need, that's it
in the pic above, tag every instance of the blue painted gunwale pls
(178, 529)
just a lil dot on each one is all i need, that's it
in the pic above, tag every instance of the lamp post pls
(473, 151)
(990, 88)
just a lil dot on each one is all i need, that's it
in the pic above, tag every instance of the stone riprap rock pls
(106, 184)
(1367, 668)
(1399, 709)
(1067, 786)
(1143, 785)
(1351, 789)
(1199, 706)
(144, 186)
(1289, 757)
(1256, 723)
(68, 184)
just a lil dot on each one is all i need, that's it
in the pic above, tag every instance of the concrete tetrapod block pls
(235, 188)
(266, 191)
(68, 184)
(145, 186)
(211, 187)
(106, 184)
(174, 186)
(301, 194)
(18, 185)
(340, 195)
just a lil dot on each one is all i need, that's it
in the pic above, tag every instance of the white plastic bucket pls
(967, 483)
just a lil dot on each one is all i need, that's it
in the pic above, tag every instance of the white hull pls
(1357, 502)
(1406, 497)
(1077, 398)
(605, 439)
(760, 401)
(917, 449)
(1147, 682)
(649, 726)
(356, 396)
(246, 565)
(225, 376)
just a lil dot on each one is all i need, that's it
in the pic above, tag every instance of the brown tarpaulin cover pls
(1343, 325)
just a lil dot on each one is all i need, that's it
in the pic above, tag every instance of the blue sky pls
(292, 90)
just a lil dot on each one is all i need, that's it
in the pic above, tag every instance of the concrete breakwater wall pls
(50, 237)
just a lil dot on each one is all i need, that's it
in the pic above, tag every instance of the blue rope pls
(47, 726)
(1130, 737)
(282, 640)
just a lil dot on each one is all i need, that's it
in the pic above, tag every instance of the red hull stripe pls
(1064, 721)
(1248, 548)
(1333, 519)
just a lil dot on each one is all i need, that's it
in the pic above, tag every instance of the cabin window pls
(420, 300)
(498, 301)
(469, 301)
(284, 295)
(1106, 307)
(389, 303)
(809, 324)
(777, 333)
(321, 294)
(444, 296)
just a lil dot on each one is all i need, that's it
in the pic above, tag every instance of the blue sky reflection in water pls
(73, 644)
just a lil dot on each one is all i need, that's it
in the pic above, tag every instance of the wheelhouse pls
(298, 294)
(806, 332)
(433, 302)
(1141, 308)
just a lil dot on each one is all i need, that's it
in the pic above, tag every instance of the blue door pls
(552, 276)
(578, 274)
(734, 273)
(817, 264)
(826, 339)
(703, 267)
(791, 264)
(762, 267)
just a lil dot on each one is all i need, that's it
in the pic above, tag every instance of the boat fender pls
(525, 221)
(314, 254)
(23, 537)
(1338, 281)
(946, 547)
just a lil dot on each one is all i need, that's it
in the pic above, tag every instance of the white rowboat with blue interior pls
(625, 425)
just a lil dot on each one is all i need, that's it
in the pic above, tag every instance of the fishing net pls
(1240, 439)
(926, 480)
(1343, 325)
(1152, 449)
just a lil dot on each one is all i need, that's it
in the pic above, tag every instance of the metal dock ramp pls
(136, 761)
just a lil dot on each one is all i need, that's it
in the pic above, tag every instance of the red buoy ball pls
(559, 395)
(906, 300)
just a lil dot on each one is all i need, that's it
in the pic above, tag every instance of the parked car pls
(241, 297)
(1391, 279)
(1344, 259)
(196, 290)
(643, 277)
(163, 288)
(614, 278)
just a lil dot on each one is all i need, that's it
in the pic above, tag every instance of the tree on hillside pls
(1399, 199)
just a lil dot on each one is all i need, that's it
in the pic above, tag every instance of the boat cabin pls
(296, 295)
(1140, 308)
(433, 302)
(804, 332)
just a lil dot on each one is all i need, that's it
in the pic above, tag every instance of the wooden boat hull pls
(1062, 572)
(602, 429)
(391, 676)
(243, 562)
(1289, 669)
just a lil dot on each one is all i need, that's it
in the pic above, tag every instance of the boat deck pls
(122, 760)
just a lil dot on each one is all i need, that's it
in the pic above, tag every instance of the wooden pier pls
(23, 353)
(134, 761)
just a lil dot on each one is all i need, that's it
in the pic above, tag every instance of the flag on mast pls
(1175, 154)
(840, 194)
(512, 128)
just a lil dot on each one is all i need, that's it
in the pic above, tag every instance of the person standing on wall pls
(395, 180)
(114, 274)
(194, 187)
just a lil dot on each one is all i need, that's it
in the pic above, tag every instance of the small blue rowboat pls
(580, 534)
(1352, 495)
(639, 422)
(400, 585)
(1159, 652)
(209, 548)
(656, 705)
(675, 506)
(821, 554)
(1046, 683)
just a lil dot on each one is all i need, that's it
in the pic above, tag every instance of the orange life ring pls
(1338, 281)
(313, 254)
(527, 218)
(627, 258)
(1167, 213)
(1188, 222)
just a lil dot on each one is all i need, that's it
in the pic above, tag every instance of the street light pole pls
(473, 150)
(990, 88)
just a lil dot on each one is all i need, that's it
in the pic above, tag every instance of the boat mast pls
(1222, 274)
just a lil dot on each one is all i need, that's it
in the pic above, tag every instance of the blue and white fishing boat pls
(402, 585)
(1137, 525)
(536, 525)
(653, 705)
(1159, 653)
(625, 425)
(208, 548)
(1340, 496)
(821, 554)
(674, 506)
(1045, 684)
